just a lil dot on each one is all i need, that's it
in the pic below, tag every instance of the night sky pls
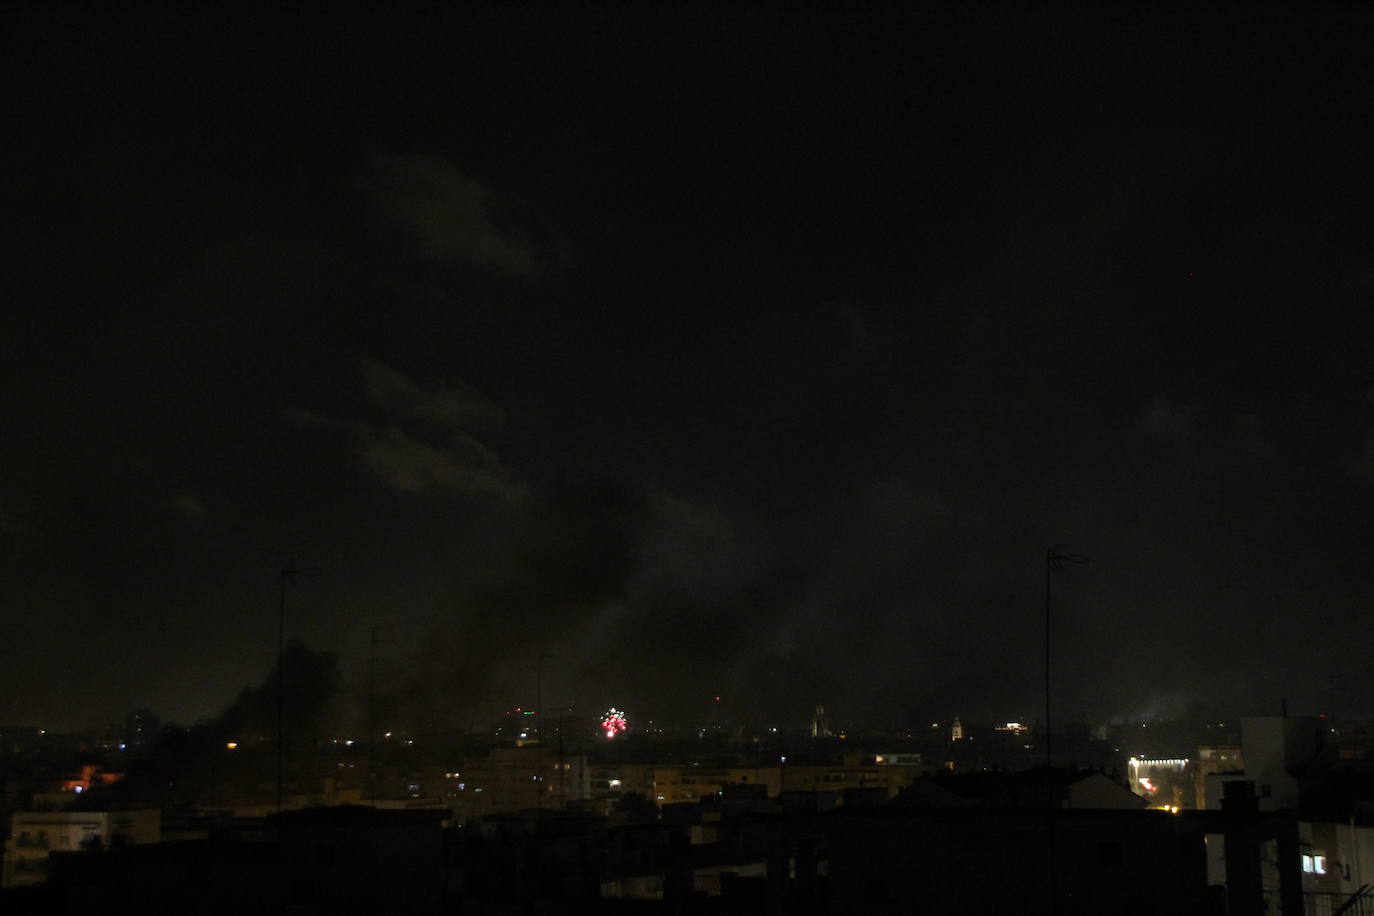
(743, 354)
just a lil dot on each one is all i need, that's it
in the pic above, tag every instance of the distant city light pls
(79, 789)
(614, 722)
(231, 745)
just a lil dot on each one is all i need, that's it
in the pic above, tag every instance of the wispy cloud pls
(412, 465)
(413, 461)
(453, 404)
(452, 216)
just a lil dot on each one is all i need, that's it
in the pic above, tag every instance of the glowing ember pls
(613, 722)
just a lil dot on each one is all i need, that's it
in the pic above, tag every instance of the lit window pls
(615, 783)
(1307, 864)
(1319, 864)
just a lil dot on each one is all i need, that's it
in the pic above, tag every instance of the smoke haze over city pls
(745, 355)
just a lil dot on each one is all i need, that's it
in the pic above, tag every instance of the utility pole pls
(288, 575)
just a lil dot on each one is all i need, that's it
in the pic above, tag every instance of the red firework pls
(613, 722)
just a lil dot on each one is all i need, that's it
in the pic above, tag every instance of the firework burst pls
(613, 722)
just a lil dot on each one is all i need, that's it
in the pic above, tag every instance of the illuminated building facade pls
(34, 834)
(886, 773)
(514, 779)
(1211, 761)
(1161, 781)
(613, 780)
(820, 724)
(692, 783)
(1277, 749)
(889, 777)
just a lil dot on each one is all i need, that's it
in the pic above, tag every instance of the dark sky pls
(739, 354)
